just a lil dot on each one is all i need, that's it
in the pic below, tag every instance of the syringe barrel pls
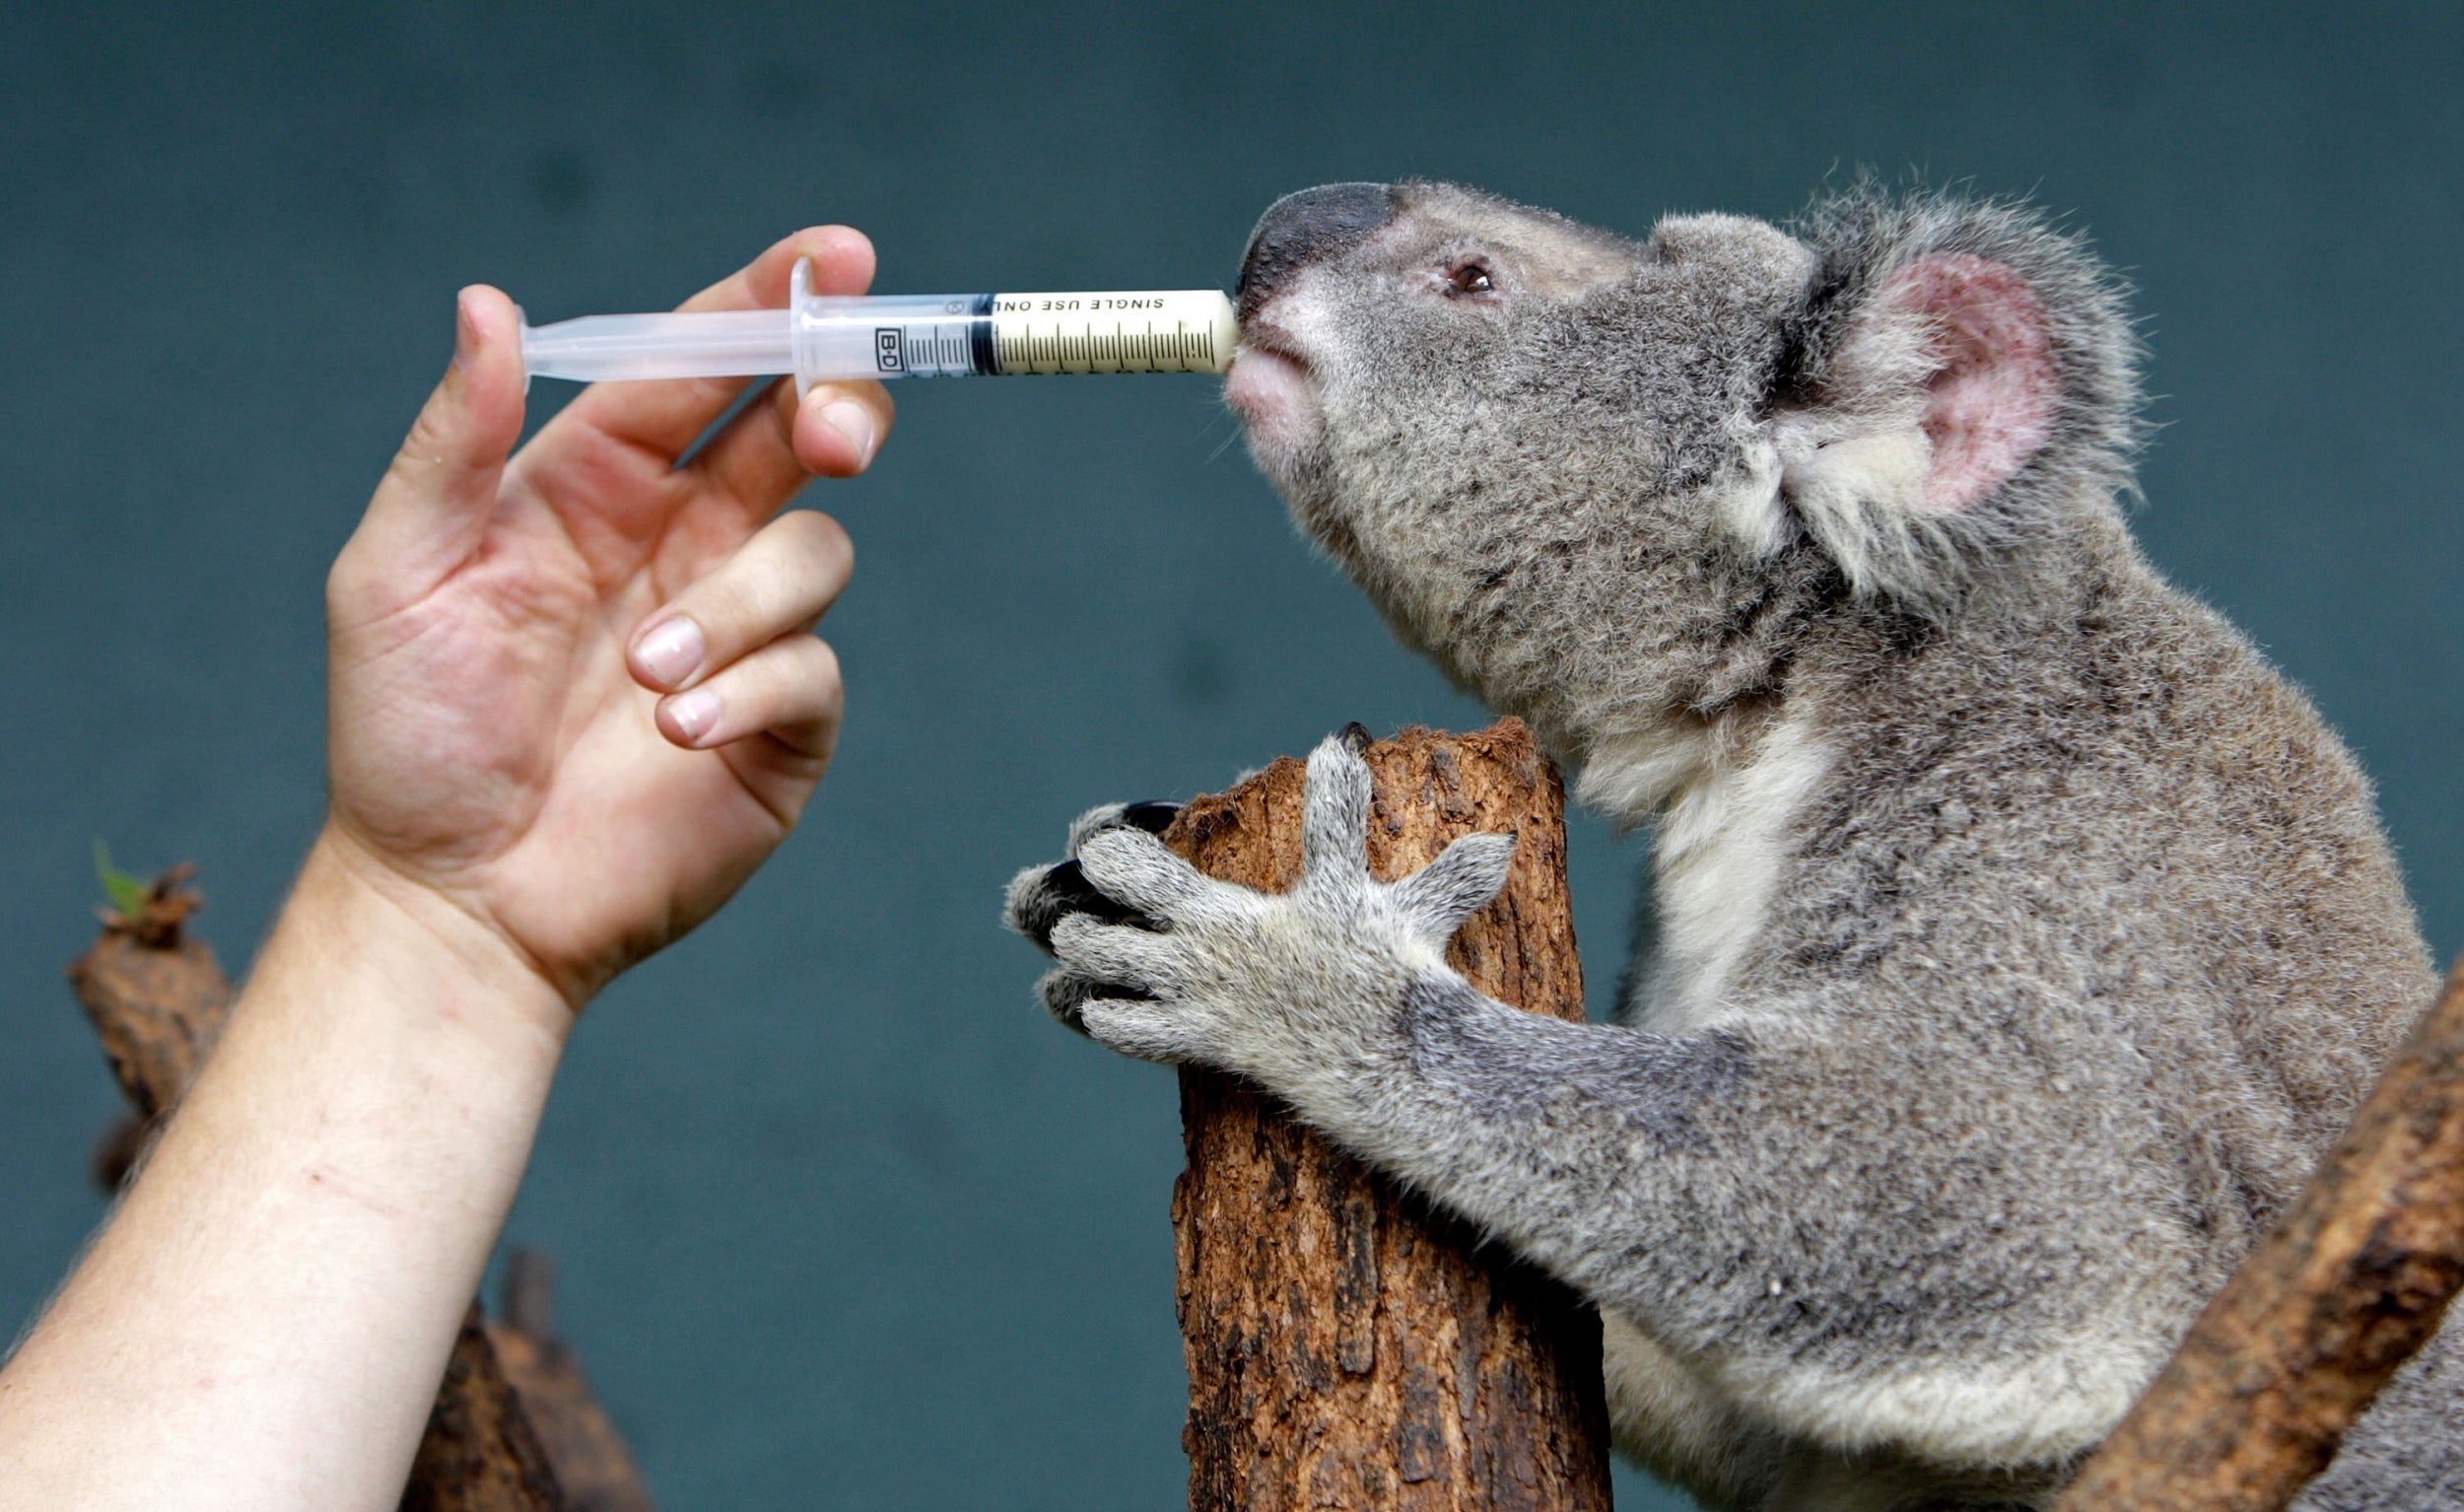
(823, 338)
(899, 336)
(1146, 331)
(967, 335)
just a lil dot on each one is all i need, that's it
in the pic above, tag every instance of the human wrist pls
(354, 909)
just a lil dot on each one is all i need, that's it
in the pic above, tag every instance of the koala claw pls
(1162, 962)
(1039, 897)
(1156, 815)
(1066, 995)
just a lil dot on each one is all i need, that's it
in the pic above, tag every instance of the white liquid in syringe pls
(823, 338)
(1185, 332)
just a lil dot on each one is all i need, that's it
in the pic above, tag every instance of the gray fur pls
(2023, 939)
(2405, 1454)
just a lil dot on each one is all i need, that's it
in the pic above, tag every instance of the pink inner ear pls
(1990, 405)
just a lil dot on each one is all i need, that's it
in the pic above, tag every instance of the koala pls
(2017, 939)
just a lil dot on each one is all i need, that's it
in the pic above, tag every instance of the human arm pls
(573, 707)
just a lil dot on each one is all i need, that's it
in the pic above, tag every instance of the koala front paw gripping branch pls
(821, 339)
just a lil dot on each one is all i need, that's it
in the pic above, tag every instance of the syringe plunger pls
(822, 337)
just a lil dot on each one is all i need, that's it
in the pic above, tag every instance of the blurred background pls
(843, 1220)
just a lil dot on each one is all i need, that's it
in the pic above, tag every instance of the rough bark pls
(480, 1453)
(593, 1469)
(2354, 1281)
(1348, 1347)
(514, 1427)
(157, 998)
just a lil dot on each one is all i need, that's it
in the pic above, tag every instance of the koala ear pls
(1946, 400)
(1990, 398)
(1961, 376)
(1942, 387)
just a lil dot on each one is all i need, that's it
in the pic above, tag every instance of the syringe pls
(824, 337)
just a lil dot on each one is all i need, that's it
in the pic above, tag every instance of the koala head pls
(1606, 481)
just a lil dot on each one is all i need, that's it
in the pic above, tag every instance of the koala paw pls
(1039, 897)
(1162, 962)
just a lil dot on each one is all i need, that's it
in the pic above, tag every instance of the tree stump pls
(1348, 1347)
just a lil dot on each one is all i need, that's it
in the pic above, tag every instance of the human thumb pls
(432, 507)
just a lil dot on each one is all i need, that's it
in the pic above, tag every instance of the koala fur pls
(2021, 939)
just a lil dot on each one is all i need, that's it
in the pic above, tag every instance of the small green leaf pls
(127, 893)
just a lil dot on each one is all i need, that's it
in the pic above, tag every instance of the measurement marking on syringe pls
(910, 348)
(1121, 349)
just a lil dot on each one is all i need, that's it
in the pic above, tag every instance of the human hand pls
(573, 694)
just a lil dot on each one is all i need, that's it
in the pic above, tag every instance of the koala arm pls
(1753, 1203)
(1336, 996)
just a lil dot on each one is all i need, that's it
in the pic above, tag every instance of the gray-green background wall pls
(843, 1220)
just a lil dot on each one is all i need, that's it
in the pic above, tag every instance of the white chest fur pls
(1726, 818)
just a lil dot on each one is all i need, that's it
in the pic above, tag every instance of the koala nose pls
(1301, 228)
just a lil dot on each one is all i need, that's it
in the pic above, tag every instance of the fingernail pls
(694, 713)
(673, 651)
(849, 419)
(465, 333)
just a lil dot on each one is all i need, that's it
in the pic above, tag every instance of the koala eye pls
(1469, 279)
